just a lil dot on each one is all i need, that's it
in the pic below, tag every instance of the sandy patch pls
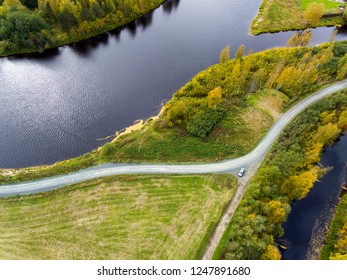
(138, 124)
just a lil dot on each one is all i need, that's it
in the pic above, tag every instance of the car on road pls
(241, 172)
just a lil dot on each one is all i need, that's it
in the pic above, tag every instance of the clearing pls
(122, 217)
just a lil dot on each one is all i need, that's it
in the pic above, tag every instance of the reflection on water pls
(305, 227)
(169, 6)
(55, 105)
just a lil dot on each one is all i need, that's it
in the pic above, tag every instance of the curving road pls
(231, 166)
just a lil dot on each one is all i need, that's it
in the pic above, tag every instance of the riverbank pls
(285, 15)
(166, 139)
(43, 33)
(287, 174)
(334, 247)
(306, 227)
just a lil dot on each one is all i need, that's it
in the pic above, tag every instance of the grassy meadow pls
(329, 4)
(284, 15)
(122, 217)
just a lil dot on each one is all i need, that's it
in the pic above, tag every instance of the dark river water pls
(304, 228)
(56, 105)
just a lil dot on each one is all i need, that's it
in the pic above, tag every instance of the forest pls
(287, 174)
(212, 94)
(36, 25)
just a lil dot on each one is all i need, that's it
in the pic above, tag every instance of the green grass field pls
(284, 15)
(123, 217)
(329, 4)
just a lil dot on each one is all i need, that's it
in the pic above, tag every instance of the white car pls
(241, 172)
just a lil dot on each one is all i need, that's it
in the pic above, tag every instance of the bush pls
(202, 123)
(108, 149)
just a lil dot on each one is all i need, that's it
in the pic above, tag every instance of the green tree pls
(21, 29)
(109, 7)
(201, 124)
(96, 9)
(66, 19)
(49, 11)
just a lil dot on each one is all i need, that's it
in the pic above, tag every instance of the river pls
(304, 229)
(56, 105)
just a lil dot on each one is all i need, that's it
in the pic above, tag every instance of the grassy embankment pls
(284, 15)
(256, 89)
(335, 247)
(287, 174)
(122, 217)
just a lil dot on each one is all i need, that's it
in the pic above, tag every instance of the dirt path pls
(229, 212)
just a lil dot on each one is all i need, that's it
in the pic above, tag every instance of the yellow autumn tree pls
(286, 78)
(215, 97)
(276, 211)
(342, 72)
(225, 54)
(271, 253)
(327, 134)
(314, 13)
(342, 243)
(325, 56)
(9, 5)
(240, 52)
(297, 187)
(338, 256)
(342, 124)
(327, 117)
(313, 154)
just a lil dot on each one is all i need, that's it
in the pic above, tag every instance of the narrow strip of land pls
(232, 166)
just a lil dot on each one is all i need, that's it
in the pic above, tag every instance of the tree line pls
(296, 71)
(287, 174)
(34, 25)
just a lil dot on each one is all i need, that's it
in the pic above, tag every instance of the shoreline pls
(106, 153)
(138, 125)
(27, 52)
(274, 31)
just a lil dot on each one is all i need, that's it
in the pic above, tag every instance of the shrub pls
(202, 123)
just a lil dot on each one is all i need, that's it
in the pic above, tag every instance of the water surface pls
(56, 105)
(306, 222)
